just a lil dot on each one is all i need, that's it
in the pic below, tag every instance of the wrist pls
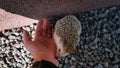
(51, 59)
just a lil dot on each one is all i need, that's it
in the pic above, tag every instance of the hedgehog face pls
(60, 47)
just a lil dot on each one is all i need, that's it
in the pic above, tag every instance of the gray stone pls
(118, 31)
(106, 64)
(60, 65)
(106, 49)
(73, 58)
(115, 66)
(99, 66)
(91, 63)
(19, 65)
(73, 66)
(11, 37)
(67, 65)
(81, 63)
(105, 31)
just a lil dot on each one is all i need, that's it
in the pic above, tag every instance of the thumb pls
(26, 38)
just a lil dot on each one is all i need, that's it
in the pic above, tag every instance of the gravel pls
(99, 43)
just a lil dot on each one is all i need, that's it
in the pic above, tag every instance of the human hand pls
(43, 45)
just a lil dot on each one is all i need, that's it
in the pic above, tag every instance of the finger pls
(38, 31)
(26, 38)
(49, 29)
(45, 27)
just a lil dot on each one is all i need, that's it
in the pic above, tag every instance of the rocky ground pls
(99, 44)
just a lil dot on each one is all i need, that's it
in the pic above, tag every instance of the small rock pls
(105, 31)
(2, 38)
(106, 49)
(106, 64)
(19, 65)
(115, 66)
(5, 66)
(73, 66)
(71, 61)
(11, 37)
(6, 41)
(60, 65)
(17, 46)
(118, 31)
(99, 66)
(73, 58)
(67, 65)
(81, 63)
(27, 59)
(16, 34)
(91, 63)
(14, 65)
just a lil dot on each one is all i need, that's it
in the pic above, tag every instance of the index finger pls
(38, 31)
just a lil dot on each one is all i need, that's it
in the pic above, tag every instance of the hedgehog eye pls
(59, 50)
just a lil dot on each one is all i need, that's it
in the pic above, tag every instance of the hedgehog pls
(67, 35)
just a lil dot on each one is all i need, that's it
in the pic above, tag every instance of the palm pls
(43, 42)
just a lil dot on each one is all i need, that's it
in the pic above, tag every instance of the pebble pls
(115, 66)
(72, 58)
(99, 66)
(60, 65)
(105, 31)
(73, 67)
(33, 34)
(66, 60)
(16, 34)
(19, 65)
(18, 46)
(11, 37)
(5, 66)
(108, 50)
(118, 31)
(91, 63)
(70, 61)
(106, 64)
(81, 63)
(27, 59)
(67, 66)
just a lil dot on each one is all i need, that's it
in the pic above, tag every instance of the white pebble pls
(11, 37)
(73, 58)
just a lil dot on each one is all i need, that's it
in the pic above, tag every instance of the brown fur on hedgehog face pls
(68, 29)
